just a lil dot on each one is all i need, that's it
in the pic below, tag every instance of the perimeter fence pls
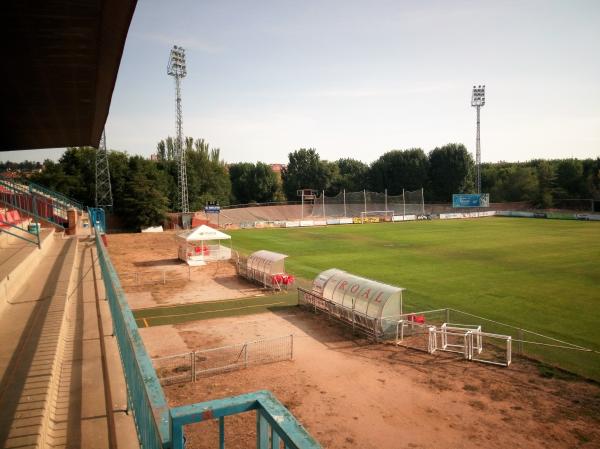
(190, 366)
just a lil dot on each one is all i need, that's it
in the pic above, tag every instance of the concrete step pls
(92, 397)
(30, 357)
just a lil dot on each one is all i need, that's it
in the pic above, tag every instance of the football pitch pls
(542, 275)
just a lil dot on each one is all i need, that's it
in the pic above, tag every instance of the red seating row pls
(282, 279)
(11, 217)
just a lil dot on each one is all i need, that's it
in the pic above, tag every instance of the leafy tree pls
(399, 169)
(592, 169)
(546, 182)
(253, 183)
(165, 149)
(352, 175)
(450, 171)
(143, 203)
(569, 178)
(208, 179)
(305, 170)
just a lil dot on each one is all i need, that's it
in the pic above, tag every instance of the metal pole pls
(302, 211)
(478, 153)
(221, 432)
(344, 203)
(385, 192)
(323, 204)
(520, 346)
(422, 201)
(403, 205)
(365, 199)
(193, 365)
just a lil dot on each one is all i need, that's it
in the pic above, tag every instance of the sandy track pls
(352, 394)
(145, 261)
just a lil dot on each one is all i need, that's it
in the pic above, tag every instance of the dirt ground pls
(350, 393)
(152, 275)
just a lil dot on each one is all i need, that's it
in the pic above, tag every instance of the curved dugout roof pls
(372, 298)
(60, 61)
(266, 261)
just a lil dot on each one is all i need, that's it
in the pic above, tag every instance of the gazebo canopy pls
(202, 233)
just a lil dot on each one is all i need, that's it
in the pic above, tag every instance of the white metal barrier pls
(467, 340)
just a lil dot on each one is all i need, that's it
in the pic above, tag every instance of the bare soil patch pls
(350, 393)
(152, 275)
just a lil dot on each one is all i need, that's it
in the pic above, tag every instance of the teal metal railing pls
(97, 218)
(145, 395)
(59, 197)
(21, 232)
(17, 196)
(274, 422)
(160, 427)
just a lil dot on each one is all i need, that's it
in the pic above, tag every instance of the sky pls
(359, 78)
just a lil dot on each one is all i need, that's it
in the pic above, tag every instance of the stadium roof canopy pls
(60, 60)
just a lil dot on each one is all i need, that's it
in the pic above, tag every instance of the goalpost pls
(365, 217)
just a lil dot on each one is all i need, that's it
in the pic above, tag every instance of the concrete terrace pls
(61, 382)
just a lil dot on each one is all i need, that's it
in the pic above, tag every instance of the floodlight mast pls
(478, 101)
(178, 70)
(104, 197)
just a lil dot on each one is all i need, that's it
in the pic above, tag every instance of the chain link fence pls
(190, 366)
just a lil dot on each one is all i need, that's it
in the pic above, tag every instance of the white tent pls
(202, 244)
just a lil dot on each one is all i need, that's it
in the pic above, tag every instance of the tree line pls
(144, 190)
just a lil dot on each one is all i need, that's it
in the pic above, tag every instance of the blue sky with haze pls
(358, 78)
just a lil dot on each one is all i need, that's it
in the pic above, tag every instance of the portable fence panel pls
(269, 351)
(220, 360)
(190, 366)
(415, 336)
(457, 342)
(452, 334)
(175, 368)
(496, 349)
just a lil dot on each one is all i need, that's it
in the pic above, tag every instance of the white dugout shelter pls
(358, 300)
(203, 244)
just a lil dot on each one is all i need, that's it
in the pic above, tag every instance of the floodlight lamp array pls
(177, 66)
(478, 97)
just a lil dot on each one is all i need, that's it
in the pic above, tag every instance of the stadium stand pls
(56, 388)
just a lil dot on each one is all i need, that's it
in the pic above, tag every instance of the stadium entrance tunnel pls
(362, 302)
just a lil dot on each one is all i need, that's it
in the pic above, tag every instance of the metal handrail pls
(274, 422)
(55, 195)
(16, 197)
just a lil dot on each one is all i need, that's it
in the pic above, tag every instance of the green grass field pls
(542, 275)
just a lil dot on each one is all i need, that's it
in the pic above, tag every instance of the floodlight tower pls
(177, 69)
(478, 101)
(103, 190)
